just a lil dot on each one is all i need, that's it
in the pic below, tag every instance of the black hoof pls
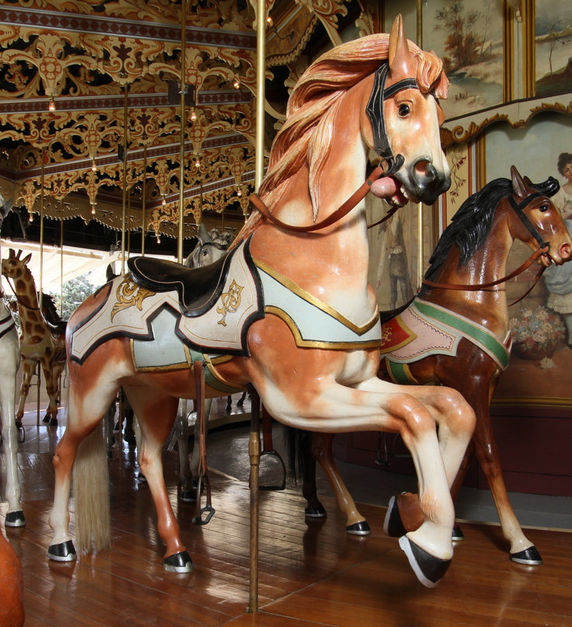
(359, 529)
(457, 535)
(46, 418)
(427, 568)
(62, 552)
(15, 519)
(178, 563)
(315, 511)
(53, 422)
(530, 557)
(392, 524)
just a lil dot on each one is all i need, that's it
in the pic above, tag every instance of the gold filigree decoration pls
(230, 301)
(129, 294)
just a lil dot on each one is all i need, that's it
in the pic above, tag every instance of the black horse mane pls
(49, 309)
(472, 222)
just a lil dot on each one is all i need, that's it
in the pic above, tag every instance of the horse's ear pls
(518, 185)
(401, 62)
(109, 273)
(203, 234)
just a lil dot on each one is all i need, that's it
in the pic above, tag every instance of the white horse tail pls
(91, 494)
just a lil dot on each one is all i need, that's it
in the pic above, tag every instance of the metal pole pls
(260, 71)
(42, 225)
(143, 201)
(254, 455)
(124, 208)
(183, 122)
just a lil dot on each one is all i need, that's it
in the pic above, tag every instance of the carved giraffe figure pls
(39, 340)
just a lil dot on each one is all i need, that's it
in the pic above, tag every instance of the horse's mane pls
(314, 104)
(49, 309)
(471, 224)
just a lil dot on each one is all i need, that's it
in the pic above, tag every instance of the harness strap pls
(524, 218)
(482, 286)
(342, 211)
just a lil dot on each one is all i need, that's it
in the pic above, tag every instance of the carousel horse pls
(288, 310)
(456, 332)
(40, 340)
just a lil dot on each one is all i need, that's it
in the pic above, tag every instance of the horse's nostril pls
(425, 171)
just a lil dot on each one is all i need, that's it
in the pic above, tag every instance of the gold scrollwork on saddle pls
(230, 301)
(129, 294)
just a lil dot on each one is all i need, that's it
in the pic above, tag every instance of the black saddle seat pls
(198, 288)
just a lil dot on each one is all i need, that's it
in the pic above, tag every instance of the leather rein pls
(543, 248)
(374, 110)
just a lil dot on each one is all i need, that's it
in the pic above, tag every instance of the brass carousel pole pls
(419, 205)
(254, 441)
(143, 201)
(124, 203)
(183, 121)
(41, 277)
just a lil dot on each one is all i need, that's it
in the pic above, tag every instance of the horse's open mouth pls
(392, 190)
(546, 260)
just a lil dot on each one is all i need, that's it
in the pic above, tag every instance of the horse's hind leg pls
(322, 452)
(28, 366)
(84, 413)
(156, 414)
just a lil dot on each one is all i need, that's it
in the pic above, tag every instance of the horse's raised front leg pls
(156, 415)
(52, 374)
(321, 451)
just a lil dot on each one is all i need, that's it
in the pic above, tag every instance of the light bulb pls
(93, 166)
(92, 210)
(52, 105)
(269, 21)
(236, 83)
(164, 201)
(193, 115)
(197, 164)
(31, 218)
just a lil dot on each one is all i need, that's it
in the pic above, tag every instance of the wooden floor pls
(310, 573)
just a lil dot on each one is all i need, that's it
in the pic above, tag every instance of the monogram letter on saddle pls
(198, 288)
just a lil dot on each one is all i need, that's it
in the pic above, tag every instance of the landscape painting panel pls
(541, 359)
(468, 36)
(553, 47)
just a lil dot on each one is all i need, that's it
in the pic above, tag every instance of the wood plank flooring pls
(310, 573)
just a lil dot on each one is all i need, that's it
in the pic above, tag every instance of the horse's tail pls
(91, 494)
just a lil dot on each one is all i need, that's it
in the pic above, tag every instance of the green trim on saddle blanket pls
(478, 334)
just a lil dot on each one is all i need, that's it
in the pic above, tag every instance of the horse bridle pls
(543, 248)
(374, 110)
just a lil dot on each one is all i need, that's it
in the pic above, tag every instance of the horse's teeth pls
(404, 192)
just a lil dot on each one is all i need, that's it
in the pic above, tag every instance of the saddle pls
(198, 288)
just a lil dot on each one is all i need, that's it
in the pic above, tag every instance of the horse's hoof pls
(530, 557)
(392, 524)
(62, 552)
(315, 511)
(53, 422)
(457, 535)
(46, 418)
(178, 563)
(189, 496)
(359, 529)
(427, 568)
(15, 519)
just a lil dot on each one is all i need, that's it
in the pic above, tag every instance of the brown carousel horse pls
(455, 332)
(40, 341)
(289, 310)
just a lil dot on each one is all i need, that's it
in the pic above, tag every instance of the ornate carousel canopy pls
(98, 105)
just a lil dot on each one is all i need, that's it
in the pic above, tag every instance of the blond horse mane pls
(313, 107)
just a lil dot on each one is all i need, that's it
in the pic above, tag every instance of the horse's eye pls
(403, 110)
(544, 207)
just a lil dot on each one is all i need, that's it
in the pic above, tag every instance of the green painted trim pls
(477, 333)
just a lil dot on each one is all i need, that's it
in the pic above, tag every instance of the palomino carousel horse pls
(288, 310)
(455, 332)
(40, 341)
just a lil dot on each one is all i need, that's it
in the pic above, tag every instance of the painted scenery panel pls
(468, 36)
(553, 47)
(541, 323)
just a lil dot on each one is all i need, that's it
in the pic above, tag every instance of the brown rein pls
(341, 212)
(19, 301)
(482, 286)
